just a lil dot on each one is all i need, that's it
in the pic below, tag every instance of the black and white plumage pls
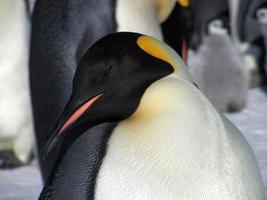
(62, 31)
(137, 128)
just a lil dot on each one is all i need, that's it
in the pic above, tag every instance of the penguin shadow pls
(8, 160)
(264, 89)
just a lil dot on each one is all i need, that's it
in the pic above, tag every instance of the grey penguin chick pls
(218, 69)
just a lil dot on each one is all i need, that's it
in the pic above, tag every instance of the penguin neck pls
(173, 118)
(144, 21)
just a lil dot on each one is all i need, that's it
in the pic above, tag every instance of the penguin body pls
(16, 128)
(61, 31)
(250, 53)
(158, 137)
(164, 157)
(176, 29)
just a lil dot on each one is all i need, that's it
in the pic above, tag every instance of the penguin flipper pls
(75, 171)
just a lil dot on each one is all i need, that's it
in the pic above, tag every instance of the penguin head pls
(261, 13)
(216, 27)
(208, 17)
(110, 80)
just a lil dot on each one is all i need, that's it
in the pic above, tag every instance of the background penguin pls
(251, 39)
(62, 31)
(247, 51)
(214, 60)
(261, 15)
(177, 28)
(152, 133)
(16, 129)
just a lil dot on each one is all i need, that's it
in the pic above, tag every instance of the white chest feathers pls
(16, 129)
(143, 16)
(176, 146)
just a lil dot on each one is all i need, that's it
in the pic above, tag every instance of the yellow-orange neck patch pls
(184, 3)
(156, 49)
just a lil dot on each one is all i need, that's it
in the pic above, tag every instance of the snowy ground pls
(20, 184)
(25, 183)
(252, 122)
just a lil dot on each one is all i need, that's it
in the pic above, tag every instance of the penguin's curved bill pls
(58, 132)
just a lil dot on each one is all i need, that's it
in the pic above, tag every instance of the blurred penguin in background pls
(16, 128)
(245, 48)
(246, 33)
(61, 32)
(177, 28)
(214, 60)
(246, 28)
(261, 16)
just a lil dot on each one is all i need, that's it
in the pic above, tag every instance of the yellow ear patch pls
(155, 48)
(164, 9)
(184, 3)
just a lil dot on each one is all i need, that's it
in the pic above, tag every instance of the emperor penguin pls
(176, 29)
(214, 60)
(61, 33)
(16, 127)
(136, 127)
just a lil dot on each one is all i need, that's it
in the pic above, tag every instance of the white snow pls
(252, 122)
(25, 183)
(20, 184)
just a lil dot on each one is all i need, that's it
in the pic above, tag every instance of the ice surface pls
(20, 184)
(25, 183)
(252, 122)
